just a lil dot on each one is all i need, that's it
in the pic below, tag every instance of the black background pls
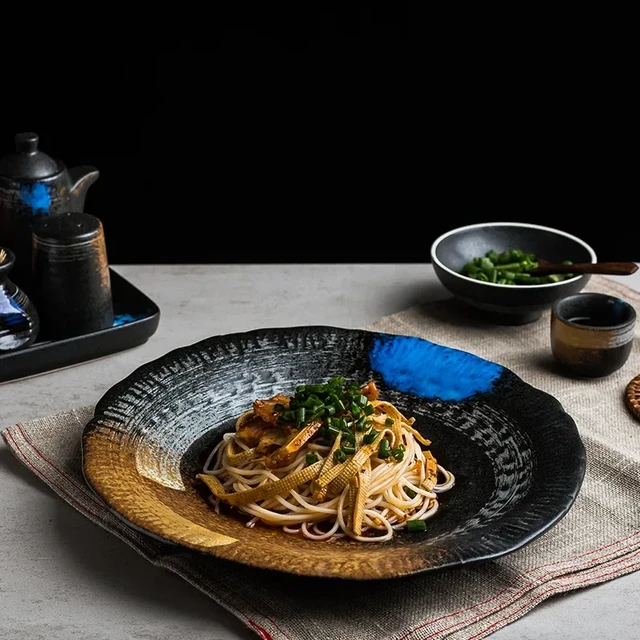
(354, 135)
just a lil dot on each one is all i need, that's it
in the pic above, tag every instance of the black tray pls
(137, 319)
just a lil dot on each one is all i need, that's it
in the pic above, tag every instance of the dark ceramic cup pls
(71, 279)
(592, 334)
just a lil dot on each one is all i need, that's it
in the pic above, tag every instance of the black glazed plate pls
(137, 318)
(516, 454)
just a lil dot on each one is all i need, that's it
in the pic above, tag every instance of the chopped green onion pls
(410, 494)
(389, 422)
(384, 451)
(416, 525)
(339, 455)
(370, 436)
(333, 431)
(311, 458)
(348, 450)
(315, 388)
(341, 423)
(313, 400)
(348, 436)
(356, 411)
(397, 453)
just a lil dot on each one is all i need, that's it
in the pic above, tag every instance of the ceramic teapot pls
(32, 185)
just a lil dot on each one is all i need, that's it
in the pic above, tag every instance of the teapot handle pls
(82, 178)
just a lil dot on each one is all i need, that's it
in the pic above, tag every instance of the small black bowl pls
(501, 303)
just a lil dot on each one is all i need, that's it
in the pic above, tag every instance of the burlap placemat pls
(597, 541)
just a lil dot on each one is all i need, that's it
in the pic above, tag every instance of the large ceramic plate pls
(516, 454)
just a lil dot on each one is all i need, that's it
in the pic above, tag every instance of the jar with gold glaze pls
(71, 278)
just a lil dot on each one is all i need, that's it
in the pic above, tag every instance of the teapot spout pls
(81, 179)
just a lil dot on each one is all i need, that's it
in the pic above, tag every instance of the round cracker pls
(632, 396)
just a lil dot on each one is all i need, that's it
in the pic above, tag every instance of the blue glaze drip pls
(431, 371)
(37, 197)
(124, 318)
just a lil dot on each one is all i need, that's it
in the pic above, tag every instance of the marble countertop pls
(64, 578)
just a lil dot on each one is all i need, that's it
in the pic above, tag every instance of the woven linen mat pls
(598, 540)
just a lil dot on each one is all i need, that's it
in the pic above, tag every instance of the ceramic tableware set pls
(54, 276)
(60, 302)
(591, 333)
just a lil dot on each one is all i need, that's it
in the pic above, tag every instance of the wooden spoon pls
(606, 268)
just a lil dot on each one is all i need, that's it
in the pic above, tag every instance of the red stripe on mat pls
(41, 474)
(82, 489)
(263, 633)
(97, 508)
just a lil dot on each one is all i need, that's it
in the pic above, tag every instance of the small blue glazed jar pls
(19, 320)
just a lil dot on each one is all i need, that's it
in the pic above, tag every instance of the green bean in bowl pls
(510, 267)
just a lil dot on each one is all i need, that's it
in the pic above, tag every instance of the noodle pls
(350, 469)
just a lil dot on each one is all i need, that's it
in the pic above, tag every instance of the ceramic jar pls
(19, 320)
(71, 278)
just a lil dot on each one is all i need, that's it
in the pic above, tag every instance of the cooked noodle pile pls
(330, 461)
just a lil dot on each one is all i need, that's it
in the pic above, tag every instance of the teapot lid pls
(27, 162)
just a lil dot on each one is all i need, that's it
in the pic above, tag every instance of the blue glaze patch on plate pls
(36, 196)
(429, 370)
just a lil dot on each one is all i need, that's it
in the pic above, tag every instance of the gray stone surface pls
(64, 578)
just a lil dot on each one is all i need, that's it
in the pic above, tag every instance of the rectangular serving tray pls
(137, 318)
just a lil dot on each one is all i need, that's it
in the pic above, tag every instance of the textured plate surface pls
(517, 456)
